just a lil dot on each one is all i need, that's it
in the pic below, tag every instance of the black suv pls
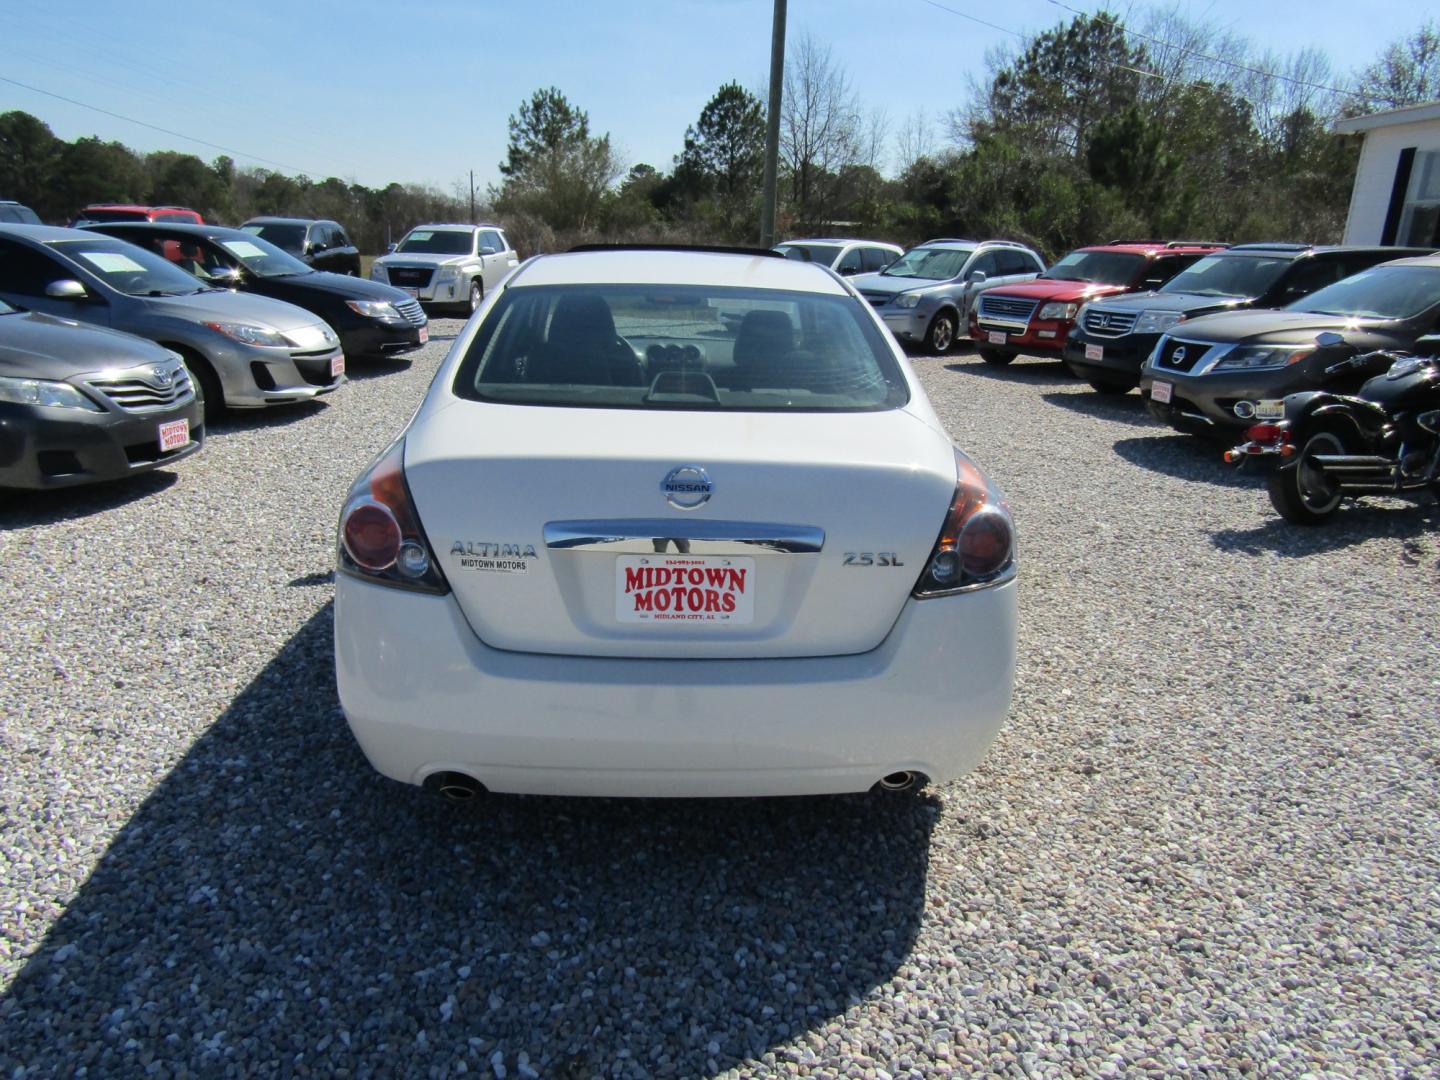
(1218, 374)
(1112, 337)
(321, 243)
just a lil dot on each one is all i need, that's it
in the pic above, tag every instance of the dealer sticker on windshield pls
(681, 589)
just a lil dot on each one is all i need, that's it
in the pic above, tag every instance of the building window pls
(1420, 220)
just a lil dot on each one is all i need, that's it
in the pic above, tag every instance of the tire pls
(998, 357)
(207, 385)
(941, 334)
(1300, 493)
(477, 294)
(1112, 386)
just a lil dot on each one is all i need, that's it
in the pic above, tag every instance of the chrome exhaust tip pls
(905, 780)
(456, 787)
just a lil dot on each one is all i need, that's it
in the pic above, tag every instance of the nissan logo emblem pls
(687, 487)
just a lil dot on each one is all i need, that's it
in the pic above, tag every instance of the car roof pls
(1268, 248)
(452, 225)
(1158, 247)
(834, 240)
(678, 267)
(276, 219)
(1417, 260)
(43, 234)
(181, 228)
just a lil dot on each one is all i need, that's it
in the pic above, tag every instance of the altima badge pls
(687, 487)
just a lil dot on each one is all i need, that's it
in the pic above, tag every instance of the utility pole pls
(772, 127)
(472, 196)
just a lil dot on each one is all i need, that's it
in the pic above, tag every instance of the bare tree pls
(914, 140)
(820, 125)
(1406, 73)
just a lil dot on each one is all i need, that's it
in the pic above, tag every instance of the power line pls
(975, 19)
(1214, 59)
(154, 127)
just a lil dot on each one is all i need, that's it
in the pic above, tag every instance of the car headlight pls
(908, 300)
(377, 273)
(57, 395)
(1157, 322)
(247, 334)
(1059, 311)
(373, 309)
(1263, 357)
(1080, 315)
(446, 273)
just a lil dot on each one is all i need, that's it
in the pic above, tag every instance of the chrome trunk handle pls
(648, 536)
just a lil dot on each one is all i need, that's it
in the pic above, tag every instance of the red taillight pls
(977, 541)
(380, 535)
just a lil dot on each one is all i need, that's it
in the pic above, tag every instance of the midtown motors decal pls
(675, 589)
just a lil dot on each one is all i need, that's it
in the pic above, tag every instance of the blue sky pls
(378, 91)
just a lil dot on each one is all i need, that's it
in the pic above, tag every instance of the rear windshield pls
(687, 347)
(436, 242)
(821, 253)
(289, 237)
(931, 264)
(1099, 267)
(1385, 292)
(1227, 275)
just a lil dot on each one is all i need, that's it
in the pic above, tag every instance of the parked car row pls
(121, 340)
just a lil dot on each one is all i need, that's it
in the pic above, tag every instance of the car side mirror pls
(390, 248)
(977, 277)
(487, 251)
(849, 271)
(1328, 339)
(225, 276)
(66, 289)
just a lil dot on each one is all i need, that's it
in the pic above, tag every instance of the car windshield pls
(821, 253)
(285, 235)
(436, 242)
(688, 347)
(127, 268)
(1384, 292)
(1227, 275)
(264, 259)
(1100, 267)
(932, 264)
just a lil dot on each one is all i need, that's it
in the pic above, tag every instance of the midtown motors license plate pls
(685, 590)
(1160, 392)
(337, 366)
(174, 435)
(424, 334)
(1094, 352)
(997, 338)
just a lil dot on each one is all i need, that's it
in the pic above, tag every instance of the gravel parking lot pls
(1206, 841)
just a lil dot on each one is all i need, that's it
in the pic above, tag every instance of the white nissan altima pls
(674, 523)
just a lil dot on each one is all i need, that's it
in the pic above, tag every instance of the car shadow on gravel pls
(1354, 523)
(1188, 458)
(1036, 372)
(274, 903)
(23, 509)
(236, 420)
(1119, 408)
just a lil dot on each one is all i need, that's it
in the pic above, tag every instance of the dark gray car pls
(245, 351)
(80, 404)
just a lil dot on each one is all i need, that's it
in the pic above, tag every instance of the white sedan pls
(674, 523)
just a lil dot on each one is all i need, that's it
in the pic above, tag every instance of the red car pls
(106, 212)
(1036, 316)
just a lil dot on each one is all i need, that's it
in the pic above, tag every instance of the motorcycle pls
(1383, 440)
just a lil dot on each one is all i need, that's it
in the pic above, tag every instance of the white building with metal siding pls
(1396, 199)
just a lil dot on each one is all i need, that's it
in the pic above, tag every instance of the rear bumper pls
(423, 695)
(52, 448)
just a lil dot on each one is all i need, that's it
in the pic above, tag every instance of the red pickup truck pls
(1036, 316)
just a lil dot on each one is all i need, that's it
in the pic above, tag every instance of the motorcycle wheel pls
(1302, 494)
